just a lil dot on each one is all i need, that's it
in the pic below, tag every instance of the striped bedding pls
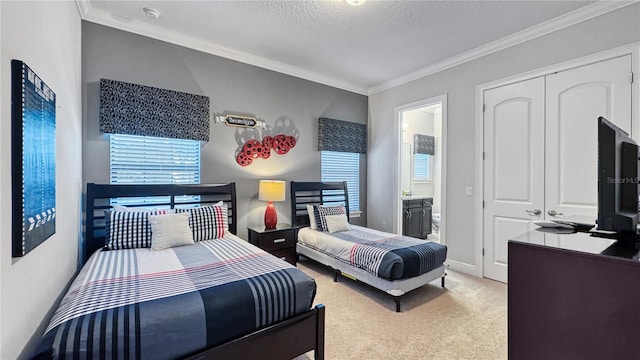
(385, 255)
(138, 303)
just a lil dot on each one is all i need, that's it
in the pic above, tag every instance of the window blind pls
(421, 168)
(152, 160)
(343, 166)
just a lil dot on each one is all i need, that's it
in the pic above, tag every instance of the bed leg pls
(397, 301)
(443, 279)
(320, 337)
(336, 273)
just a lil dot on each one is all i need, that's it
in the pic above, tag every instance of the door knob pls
(535, 212)
(553, 213)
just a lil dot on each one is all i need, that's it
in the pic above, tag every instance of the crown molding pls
(105, 18)
(83, 7)
(582, 14)
(98, 16)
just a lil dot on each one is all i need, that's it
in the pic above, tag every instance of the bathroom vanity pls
(416, 216)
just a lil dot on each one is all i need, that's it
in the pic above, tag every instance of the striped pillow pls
(321, 211)
(207, 222)
(129, 229)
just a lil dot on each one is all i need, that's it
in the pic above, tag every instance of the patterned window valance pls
(133, 109)
(423, 144)
(343, 136)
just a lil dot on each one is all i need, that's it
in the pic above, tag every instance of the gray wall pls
(611, 30)
(46, 36)
(283, 102)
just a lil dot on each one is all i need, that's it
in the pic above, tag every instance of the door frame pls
(631, 49)
(397, 204)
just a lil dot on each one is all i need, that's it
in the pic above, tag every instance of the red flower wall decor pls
(254, 149)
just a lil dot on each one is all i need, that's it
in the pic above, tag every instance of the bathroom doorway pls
(421, 180)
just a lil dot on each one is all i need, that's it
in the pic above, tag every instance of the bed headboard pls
(311, 193)
(99, 195)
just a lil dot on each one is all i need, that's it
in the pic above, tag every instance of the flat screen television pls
(617, 179)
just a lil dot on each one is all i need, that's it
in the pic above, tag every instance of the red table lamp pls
(271, 190)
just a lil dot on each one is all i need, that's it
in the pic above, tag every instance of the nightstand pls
(280, 242)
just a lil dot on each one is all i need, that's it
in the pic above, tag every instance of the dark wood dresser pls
(573, 296)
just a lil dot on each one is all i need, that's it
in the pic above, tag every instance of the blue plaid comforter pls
(167, 304)
(385, 255)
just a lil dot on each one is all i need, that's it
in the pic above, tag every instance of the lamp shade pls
(271, 190)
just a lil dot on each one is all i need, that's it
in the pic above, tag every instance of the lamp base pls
(270, 217)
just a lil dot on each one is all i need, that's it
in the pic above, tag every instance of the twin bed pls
(218, 298)
(392, 263)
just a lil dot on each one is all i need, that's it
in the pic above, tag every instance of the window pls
(421, 168)
(343, 166)
(152, 160)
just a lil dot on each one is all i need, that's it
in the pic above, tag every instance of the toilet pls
(435, 223)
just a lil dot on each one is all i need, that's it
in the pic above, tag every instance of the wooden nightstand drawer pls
(280, 242)
(277, 240)
(288, 255)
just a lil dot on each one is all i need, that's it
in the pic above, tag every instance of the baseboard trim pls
(463, 267)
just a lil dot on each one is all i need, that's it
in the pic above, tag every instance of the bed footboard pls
(284, 340)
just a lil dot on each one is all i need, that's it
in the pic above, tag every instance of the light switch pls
(469, 191)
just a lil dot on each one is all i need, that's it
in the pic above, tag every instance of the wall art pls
(33, 159)
(239, 121)
(253, 149)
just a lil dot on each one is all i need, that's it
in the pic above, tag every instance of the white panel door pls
(574, 100)
(540, 139)
(513, 168)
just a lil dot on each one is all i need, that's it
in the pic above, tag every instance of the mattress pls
(167, 304)
(392, 287)
(385, 255)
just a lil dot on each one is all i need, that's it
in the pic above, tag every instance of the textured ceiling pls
(360, 47)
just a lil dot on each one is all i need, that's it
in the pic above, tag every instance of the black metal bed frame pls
(327, 193)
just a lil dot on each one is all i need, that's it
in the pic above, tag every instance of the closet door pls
(540, 139)
(575, 100)
(513, 168)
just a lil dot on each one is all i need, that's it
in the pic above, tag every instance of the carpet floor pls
(465, 320)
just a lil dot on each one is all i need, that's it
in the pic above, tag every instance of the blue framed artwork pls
(33, 159)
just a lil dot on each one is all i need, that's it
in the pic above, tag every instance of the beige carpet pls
(465, 320)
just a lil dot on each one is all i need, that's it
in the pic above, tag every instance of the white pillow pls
(170, 230)
(312, 217)
(337, 223)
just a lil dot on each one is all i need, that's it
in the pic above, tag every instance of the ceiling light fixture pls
(151, 13)
(355, 2)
